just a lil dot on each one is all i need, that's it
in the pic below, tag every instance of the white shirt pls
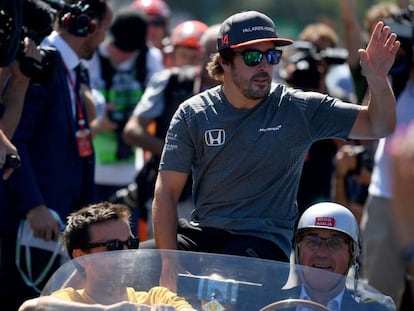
(333, 304)
(70, 59)
(380, 185)
(154, 64)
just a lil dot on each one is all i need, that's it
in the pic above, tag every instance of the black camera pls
(332, 56)
(12, 161)
(402, 23)
(33, 19)
(364, 159)
(37, 23)
(308, 60)
(10, 27)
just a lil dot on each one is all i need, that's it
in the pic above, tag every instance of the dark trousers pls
(218, 241)
(212, 240)
(13, 290)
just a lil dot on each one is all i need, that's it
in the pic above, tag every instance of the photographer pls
(53, 140)
(13, 85)
(15, 48)
(120, 70)
(353, 168)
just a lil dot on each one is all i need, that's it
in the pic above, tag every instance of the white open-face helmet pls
(332, 216)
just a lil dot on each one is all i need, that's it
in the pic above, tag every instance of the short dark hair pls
(76, 233)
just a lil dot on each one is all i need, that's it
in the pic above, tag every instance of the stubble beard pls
(253, 91)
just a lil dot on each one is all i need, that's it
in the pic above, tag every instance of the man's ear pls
(222, 61)
(93, 24)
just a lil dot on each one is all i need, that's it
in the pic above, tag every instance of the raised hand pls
(377, 59)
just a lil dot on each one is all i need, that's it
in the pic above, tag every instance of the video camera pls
(364, 159)
(402, 23)
(332, 56)
(33, 19)
(308, 61)
(27, 18)
(10, 25)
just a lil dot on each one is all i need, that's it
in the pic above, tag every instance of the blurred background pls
(290, 16)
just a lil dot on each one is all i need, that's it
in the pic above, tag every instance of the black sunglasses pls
(116, 245)
(254, 57)
(312, 242)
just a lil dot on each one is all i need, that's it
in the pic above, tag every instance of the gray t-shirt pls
(246, 163)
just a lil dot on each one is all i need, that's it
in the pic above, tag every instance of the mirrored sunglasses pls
(254, 57)
(312, 242)
(116, 245)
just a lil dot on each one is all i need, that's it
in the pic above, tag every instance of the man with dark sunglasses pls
(244, 143)
(327, 238)
(98, 228)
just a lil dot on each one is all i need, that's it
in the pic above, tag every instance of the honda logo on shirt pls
(215, 137)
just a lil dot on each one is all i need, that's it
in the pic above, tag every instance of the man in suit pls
(327, 238)
(53, 139)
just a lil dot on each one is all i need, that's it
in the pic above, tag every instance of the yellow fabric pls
(156, 295)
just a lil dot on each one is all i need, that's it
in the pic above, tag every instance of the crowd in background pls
(134, 71)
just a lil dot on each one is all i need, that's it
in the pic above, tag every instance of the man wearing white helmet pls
(327, 238)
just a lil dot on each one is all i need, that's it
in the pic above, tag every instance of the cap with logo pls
(246, 28)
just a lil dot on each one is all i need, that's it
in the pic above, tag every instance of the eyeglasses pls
(254, 57)
(312, 242)
(116, 245)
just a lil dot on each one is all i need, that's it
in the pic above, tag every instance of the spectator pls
(376, 224)
(13, 80)
(245, 174)
(351, 189)
(54, 143)
(401, 151)
(337, 80)
(352, 176)
(356, 36)
(99, 228)
(164, 93)
(14, 86)
(158, 14)
(120, 71)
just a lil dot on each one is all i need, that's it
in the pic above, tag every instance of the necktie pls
(83, 133)
(82, 75)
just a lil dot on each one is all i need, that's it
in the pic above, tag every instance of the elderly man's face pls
(326, 250)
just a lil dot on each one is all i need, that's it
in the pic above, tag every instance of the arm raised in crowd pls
(353, 37)
(378, 118)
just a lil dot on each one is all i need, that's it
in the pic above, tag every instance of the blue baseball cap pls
(246, 28)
